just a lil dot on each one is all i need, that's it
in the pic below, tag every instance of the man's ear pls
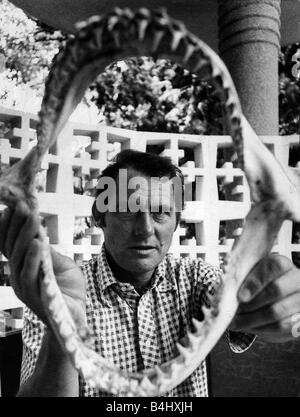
(99, 221)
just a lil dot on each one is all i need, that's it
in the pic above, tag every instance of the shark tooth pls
(226, 82)
(159, 34)
(128, 13)
(118, 11)
(144, 12)
(66, 329)
(80, 25)
(216, 72)
(116, 37)
(175, 368)
(177, 36)
(147, 385)
(193, 340)
(142, 27)
(230, 101)
(71, 345)
(202, 63)
(207, 313)
(95, 19)
(133, 384)
(112, 22)
(198, 325)
(98, 32)
(188, 53)
(159, 372)
(184, 352)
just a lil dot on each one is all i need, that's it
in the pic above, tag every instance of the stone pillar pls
(249, 42)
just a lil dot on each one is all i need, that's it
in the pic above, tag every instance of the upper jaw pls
(142, 247)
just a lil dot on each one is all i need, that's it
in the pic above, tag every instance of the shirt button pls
(148, 342)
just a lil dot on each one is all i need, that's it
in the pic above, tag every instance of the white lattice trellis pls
(62, 204)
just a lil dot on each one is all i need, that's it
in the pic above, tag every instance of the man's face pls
(139, 240)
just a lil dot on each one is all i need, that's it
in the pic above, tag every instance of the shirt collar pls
(164, 275)
(106, 277)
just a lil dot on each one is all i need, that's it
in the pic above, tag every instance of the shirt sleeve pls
(32, 335)
(208, 280)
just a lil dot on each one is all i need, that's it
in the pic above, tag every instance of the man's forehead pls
(134, 191)
(143, 185)
(137, 179)
(152, 180)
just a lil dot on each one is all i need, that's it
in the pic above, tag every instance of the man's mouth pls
(143, 247)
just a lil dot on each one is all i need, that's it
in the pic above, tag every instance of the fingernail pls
(244, 295)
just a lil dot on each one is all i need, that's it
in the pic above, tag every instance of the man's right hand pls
(21, 244)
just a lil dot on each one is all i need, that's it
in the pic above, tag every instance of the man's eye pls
(125, 215)
(161, 215)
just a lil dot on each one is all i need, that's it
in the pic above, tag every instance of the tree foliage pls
(140, 93)
(26, 49)
(147, 95)
(289, 91)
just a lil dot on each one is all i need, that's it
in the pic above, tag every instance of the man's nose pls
(143, 224)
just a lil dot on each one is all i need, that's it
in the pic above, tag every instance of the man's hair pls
(146, 163)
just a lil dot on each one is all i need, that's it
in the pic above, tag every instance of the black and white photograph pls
(150, 201)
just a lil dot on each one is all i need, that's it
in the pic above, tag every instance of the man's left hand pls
(270, 301)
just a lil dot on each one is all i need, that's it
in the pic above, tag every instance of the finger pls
(18, 219)
(269, 314)
(266, 271)
(282, 287)
(27, 233)
(285, 330)
(4, 226)
(63, 264)
(27, 285)
(30, 280)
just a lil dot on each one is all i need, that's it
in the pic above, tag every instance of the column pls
(249, 41)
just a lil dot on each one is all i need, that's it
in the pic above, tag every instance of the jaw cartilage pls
(275, 193)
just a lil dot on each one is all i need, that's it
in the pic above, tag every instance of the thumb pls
(265, 271)
(61, 263)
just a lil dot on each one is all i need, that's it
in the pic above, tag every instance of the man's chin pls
(141, 265)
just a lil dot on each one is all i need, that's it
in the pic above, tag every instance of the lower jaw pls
(143, 252)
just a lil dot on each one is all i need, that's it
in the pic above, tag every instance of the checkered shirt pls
(136, 331)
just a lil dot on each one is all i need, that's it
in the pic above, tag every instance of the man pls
(137, 300)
